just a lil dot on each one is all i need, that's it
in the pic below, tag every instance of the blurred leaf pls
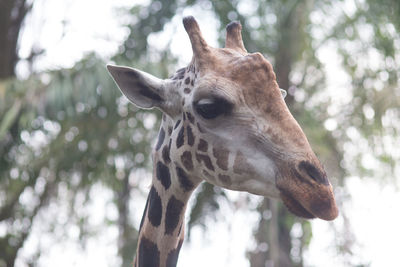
(9, 118)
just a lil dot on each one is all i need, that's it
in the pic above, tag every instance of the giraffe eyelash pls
(210, 108)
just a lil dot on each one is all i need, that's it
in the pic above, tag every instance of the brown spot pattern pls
(190, 117)
(181, 137)
(187, 161)
(172, 258)
(165, 154)
(161, 137)
(184, 181)
(177, 124)
(180, 74)
(203, 145)
(149, 254)
(222, 156)
(172, 215)
(190, 136)
(206, 160)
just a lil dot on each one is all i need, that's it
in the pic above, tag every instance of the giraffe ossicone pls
(225, 122)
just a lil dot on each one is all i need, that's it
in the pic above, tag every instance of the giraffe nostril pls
(313, 172)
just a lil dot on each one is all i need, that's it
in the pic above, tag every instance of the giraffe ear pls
(141, 88)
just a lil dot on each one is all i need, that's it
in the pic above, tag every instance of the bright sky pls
(95, 25)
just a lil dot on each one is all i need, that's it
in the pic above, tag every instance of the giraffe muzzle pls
(306, 192)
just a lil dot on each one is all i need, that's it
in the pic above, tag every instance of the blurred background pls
(75, 156)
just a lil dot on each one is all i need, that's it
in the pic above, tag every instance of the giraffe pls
(224, 122)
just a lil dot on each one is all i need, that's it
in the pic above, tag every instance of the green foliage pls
(367, 42)
(69, 131)
(9, 118)
(64, 132)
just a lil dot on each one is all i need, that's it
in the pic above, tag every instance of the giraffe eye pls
(210, 108)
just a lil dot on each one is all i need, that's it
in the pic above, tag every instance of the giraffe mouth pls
(295, 206)
(311, 206)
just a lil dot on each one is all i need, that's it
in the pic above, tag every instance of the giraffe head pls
(225, 121)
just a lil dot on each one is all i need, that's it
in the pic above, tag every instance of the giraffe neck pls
(162, 227)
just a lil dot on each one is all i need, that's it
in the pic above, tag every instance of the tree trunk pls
(127, 234)
(259, 256)
(272, 237)
(273, 234)
(12, 14)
